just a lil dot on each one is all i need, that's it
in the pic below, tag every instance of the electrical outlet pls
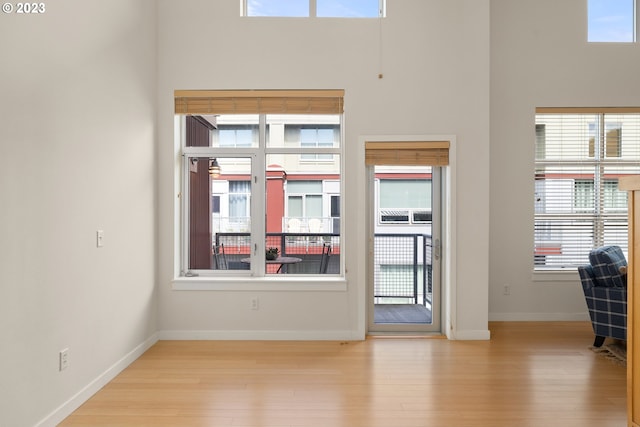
(64, 359)
(506, 290)
(255, 304)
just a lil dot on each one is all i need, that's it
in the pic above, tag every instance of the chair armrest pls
(587, 277)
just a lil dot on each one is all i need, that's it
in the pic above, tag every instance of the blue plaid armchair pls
(604, 282)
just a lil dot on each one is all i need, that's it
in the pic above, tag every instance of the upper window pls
(251, 204)
(314, 8)
(611, 21)
(579, 158)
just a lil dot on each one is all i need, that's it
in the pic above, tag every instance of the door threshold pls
(408, 334)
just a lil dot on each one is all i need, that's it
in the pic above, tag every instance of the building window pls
(404, 201)
(611, 21)
(318, 137)
(314, 8)
(261, 194)
(584, 199)
(304, 199)
(237, 136)
(579, 158)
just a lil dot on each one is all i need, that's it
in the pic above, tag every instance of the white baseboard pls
(472, 335)
(338, 335)
(539, 317)
(64, 410)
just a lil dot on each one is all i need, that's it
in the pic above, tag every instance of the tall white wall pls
(77, 131)
(540, 58)
(434, 56)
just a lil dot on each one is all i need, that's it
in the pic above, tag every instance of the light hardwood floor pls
(528, 374)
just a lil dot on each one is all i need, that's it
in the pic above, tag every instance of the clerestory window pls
(611, 21)
(314, 8)
(580, 155)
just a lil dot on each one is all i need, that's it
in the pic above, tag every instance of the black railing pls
(306, 246)
(403, 267)
(402, 262)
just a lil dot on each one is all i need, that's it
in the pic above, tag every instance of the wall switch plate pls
(255, 304)
(100, 238)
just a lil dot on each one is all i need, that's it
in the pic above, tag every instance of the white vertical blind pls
(580, 154)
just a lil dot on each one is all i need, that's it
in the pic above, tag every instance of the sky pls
(326, 8)
(608, 20)
(611, 20)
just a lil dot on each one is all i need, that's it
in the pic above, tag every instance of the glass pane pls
(567, 137)
(301, 130)
(295, 207)
(219, 214)
(235, 131)
(313, 207)
(348, 8)
(299, 214)
(290, 8)
(304, 186)
(622, 136)
(405, 193)
(611, 21)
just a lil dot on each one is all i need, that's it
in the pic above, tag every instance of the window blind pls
(580, 153)
(407, 153)
(259, 101)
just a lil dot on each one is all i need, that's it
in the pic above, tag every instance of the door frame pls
(436, 233)
(448, 316)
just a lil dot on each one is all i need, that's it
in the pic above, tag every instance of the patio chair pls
(324, 259)
(604, 282)
(219, 257)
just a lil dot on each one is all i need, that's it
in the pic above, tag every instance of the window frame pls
(258, 176)
(607, 210)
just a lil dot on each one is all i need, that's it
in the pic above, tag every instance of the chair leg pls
(599, 341)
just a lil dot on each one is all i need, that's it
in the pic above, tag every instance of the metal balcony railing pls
(402, 262)
(306, 246)
(403, 267)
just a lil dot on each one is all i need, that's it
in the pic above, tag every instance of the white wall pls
(435, 59)
(77, 115)
(540, 58)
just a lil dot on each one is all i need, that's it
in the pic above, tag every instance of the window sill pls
(244, 283)
(568, 275)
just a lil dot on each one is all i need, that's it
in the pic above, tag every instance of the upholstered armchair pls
(604, 282)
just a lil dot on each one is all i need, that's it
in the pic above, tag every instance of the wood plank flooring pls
(529, 374)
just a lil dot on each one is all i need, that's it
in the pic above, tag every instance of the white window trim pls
(558, 275)
(219, 280)
(268, 283)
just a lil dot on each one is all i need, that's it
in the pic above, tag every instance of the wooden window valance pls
(259, 101)
(407, 153)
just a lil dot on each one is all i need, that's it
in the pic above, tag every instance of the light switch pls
(100, 238)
